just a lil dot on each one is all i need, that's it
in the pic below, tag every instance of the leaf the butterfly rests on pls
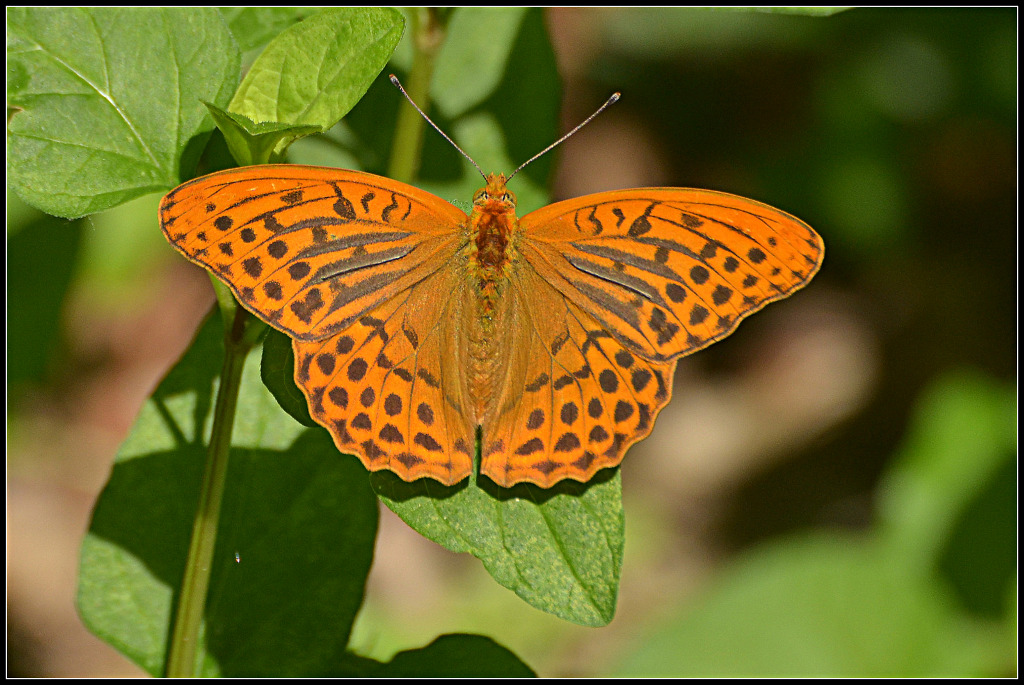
(413, 324)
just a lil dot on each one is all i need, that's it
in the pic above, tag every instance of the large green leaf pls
(108, 101)
(294, 544)
(559, 549)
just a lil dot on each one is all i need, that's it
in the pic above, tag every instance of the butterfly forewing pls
(668, 271)
(310, 249)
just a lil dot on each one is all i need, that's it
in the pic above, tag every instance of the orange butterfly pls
(414, 325)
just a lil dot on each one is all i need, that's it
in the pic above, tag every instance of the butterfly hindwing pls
(388, 388)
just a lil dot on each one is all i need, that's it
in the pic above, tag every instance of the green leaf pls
(559, 549)
(254, 143)
(948, 498)
(506, 128)
(316, 70)
(254, 27)
(449, 656)
(277, 370)
(475, 56)
(96, 125)
(979, 558)
(294, 544)
(457, 656)
(962, 430)
(41, 264)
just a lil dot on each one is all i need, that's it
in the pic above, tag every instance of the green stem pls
(428, 35)
(181, 658)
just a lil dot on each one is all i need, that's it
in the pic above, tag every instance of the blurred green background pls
(832, 490)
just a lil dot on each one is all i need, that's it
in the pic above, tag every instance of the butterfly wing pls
(669, 271)
(310, 249)
(611, 290)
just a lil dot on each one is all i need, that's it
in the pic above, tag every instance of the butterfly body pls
(556, 334)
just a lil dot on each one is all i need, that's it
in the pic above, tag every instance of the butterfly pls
(420, 331)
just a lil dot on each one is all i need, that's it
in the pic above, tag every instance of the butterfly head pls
(495, 195)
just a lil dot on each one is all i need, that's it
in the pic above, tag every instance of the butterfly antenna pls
(614, 98)
(398, 84)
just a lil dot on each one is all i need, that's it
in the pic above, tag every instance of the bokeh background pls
(832, 489)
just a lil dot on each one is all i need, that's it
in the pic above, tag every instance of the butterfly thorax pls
(491, 224)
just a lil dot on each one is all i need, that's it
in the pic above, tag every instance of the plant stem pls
(427, 38)
(181, 658)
